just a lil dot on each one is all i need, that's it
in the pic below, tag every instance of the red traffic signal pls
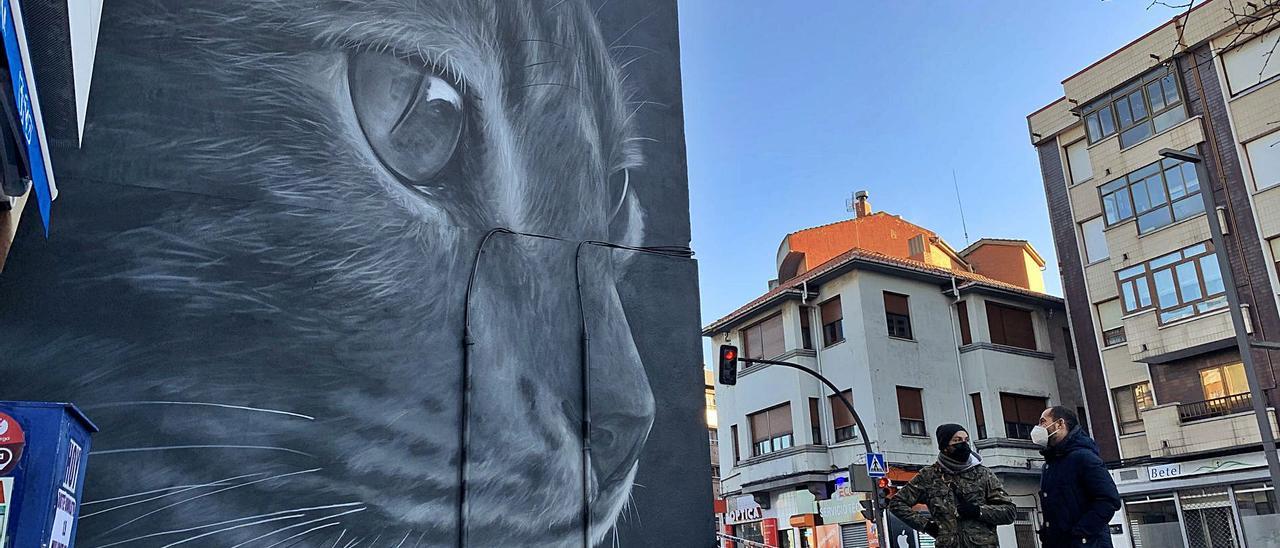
(728, 364)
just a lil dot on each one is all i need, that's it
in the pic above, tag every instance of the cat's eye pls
(411, 116)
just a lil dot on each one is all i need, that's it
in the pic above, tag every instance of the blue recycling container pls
(44, 448)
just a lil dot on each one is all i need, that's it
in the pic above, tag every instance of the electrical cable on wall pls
(464, 436)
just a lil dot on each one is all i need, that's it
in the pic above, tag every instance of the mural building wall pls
(279, 225)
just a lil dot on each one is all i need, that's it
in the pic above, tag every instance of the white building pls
(918, 335)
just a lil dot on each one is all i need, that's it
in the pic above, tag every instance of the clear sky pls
(792, 106)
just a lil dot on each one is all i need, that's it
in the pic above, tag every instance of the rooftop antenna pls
(963, 225)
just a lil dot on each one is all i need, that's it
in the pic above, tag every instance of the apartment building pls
(916, 334)
(1163, 377)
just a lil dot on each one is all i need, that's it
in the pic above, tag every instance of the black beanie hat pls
(945, 432)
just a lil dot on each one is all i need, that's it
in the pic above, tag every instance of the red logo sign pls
(11, 442)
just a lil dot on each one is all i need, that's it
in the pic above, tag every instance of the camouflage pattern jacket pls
(937, 487)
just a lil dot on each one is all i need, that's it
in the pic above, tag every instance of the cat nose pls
(616, 439)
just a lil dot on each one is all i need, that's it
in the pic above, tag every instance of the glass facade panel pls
(1154, 524)
(1257, 506)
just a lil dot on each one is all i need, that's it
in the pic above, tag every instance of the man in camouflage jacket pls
(966, 500)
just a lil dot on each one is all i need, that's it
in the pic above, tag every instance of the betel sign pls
(1164, 471)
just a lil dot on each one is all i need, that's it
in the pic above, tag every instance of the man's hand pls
(966, 509)
(931, 528)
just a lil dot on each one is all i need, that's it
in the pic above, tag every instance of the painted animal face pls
(281, 203)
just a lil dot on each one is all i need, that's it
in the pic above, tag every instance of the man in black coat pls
(1077, 495)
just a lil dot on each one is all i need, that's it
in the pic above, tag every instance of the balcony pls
(1177, 429)
(1207, 409)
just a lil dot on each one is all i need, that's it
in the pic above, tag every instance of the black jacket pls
(1077, 495)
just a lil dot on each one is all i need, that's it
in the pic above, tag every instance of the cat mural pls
(257, 279)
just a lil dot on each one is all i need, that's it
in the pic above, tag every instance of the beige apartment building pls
(1166, 391)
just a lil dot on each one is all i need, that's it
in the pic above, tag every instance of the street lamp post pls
(866, 440)
(1237, 314)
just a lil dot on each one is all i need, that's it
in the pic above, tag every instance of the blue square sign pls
(875, 465)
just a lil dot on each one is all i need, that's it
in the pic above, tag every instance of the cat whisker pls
(223, 530)
(307, 532)
(302, 524)
(419, 541)
(406, 537)
(293, 514)
(575, 88)
(596, 13)
(184, 501)
(181, 447)
(219, 483)
(201, 403)
(353, 542)
(556, 5)
(190, 529)
(154, 491)
(339, 539)
(628, 31)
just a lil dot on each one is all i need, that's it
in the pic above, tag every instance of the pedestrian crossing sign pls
(875, 465)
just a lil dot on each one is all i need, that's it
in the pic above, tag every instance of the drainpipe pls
(955, 337)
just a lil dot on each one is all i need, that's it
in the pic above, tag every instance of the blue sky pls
(788, 110)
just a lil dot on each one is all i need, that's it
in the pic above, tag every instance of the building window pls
(1223, 380)
(1130, 401)
(1111, 322)
(1070, 349)
(1078, 162)
(898, 315)
(1157, 194)
(1021, 414)
(832, 322)
(911, 411)
(1185, 283)
(806, 333)
(962, 310)
(763, 339)
(1095, 241)
(1011, 326)
(815, 421)
(1251, 63)
(1264, 158)
(1144, 107)
(737, 453)
(1275, 253)
(846, 427)
(978, 417)
(770, 430)
(1084, 419)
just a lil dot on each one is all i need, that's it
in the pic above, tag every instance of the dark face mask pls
(960, 451)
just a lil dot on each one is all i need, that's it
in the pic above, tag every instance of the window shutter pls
(962, 309)
(977, 409)
(896, 304)
(780, 419)
(910, 405)
(760, 427)
(839, 413)
(771, 336)
(831, 311)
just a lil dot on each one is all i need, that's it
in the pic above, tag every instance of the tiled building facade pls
(1163, 377)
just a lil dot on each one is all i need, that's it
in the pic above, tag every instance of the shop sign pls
(1206, 466)
(769, 531)
(1164, 471)
(741, 509)
(840, 510)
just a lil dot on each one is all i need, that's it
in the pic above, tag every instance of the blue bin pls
(45, 479)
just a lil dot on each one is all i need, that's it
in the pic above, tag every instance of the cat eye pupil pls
(410, 116)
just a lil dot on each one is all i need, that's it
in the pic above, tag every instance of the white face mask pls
(1040, 436)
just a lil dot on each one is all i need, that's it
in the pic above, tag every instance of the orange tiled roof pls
(856, 254)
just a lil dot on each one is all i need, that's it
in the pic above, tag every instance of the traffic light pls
(728, 364)
(885, 490)
(868, 512)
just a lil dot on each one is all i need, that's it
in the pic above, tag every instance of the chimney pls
(861, 205)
